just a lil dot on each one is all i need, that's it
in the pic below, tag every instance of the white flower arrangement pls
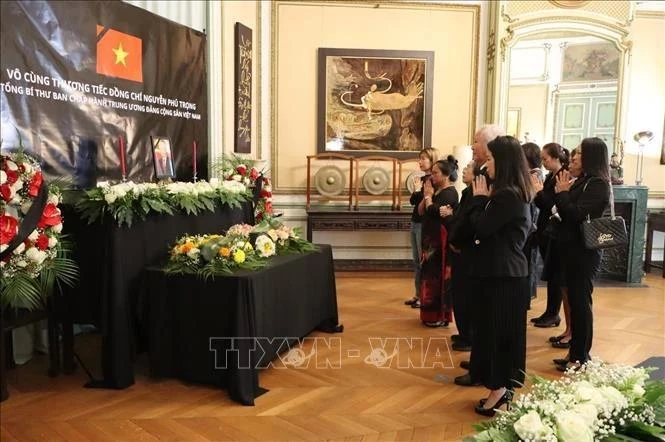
(127, 200)
(598, 402)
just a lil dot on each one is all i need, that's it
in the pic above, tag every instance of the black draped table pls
(220, 331)
(111, 262)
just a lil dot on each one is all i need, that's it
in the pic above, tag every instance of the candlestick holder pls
(124, 179)
(194, 177)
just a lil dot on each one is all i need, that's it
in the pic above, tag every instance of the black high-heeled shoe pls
(548, 322)
(490, 412)
(563, 361)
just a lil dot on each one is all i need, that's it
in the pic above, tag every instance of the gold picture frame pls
(513, 121)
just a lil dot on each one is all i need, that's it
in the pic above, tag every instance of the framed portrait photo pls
(374, 102)
(162, 156)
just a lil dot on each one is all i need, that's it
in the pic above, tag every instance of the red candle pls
(194, 156)
(121, 144)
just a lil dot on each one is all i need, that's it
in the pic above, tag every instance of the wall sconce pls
(643, 138)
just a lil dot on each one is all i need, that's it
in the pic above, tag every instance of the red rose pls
(265, 193)
(253, 174)
(241, 170)
(35, 184)
(12, 176)
(8, 228)
(6, 192)
(42, 242)
(259, 217)
(50, 217)
(268, 207)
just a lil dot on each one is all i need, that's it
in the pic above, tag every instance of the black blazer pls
(588, 196)
(501, 224)
(461, 234)
(545, 200)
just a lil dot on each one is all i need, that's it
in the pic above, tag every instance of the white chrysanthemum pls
(3, 177)
(57, 228)
(36, 255)
(265, 246)
(214, 182)
(19, 249)
(52, 241)
(531, 427)
(21, 263)
(237, 178)
(272, 233)
(573, 428)
(103, 184)
(4, 247)
(27, 167)
(33, 236)
(110, 196)
(194, 253)
(11, 165)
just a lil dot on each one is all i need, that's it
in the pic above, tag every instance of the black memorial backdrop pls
(77, 76)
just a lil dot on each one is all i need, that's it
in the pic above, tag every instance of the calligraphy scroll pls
(243, 89)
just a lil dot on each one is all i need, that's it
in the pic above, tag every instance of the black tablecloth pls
(111, 262)
(192, 322)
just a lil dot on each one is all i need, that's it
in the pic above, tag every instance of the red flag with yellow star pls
(119, 54)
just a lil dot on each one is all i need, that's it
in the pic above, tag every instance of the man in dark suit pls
(484, 134)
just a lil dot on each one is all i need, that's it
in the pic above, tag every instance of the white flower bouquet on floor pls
(599, 402)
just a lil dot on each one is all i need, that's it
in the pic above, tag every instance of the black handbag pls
(606, 231)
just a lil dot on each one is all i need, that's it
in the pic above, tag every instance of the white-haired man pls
(484, 135)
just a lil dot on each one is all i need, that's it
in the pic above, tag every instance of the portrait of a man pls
(163, 157)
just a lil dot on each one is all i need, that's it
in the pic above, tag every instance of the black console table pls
(353, 221)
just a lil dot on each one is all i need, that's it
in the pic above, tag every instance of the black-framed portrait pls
(162, 156)
(374, 102)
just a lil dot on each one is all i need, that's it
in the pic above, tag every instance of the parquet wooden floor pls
(357, 401)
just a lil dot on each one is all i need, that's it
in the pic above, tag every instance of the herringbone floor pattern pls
(361, 396)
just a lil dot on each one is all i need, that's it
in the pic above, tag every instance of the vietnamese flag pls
(119, 54)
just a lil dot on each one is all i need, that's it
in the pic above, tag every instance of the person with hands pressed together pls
(500, 220)
(426, 159)
(555, 159)
(585, 198)
(439, 191)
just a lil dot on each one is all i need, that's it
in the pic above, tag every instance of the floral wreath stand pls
(11, 319)
(15, 235)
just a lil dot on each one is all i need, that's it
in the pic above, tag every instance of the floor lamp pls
(643, 138)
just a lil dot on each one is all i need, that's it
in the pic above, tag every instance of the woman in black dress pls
(501, 220)
(555, 160)
(586, 198)
(435, 299)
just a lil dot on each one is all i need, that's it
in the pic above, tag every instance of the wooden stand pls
(392, 197)
(329, 156)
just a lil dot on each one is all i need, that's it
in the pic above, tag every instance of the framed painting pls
(243, 89)
(374, 102)
(590, 62)
(513, 122)
(162, 157)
